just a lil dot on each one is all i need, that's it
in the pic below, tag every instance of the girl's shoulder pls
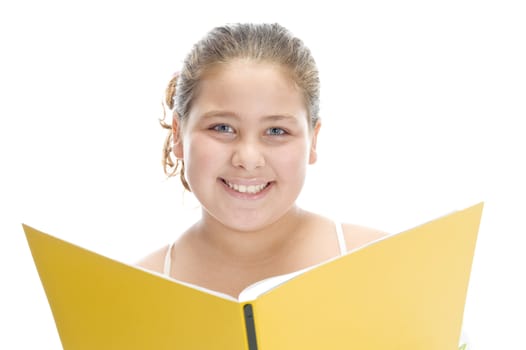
(354, 235)
(357, 235)
(155, 260)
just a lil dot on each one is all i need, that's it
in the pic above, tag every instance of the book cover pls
(404, 291)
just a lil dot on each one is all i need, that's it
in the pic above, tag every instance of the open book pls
(406, 291)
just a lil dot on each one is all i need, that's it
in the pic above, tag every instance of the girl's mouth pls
(249, 189)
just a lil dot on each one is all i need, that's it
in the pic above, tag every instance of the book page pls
(256, 289)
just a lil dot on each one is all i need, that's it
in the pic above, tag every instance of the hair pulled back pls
(270, 43)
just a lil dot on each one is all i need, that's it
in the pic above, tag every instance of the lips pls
(252, 188)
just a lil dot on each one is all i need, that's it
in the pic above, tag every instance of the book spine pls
(250, 327)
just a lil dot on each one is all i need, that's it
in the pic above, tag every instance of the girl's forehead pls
(249, 87)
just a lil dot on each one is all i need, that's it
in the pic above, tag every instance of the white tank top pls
(339, 235)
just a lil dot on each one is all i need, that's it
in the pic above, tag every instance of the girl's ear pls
(313, 156)
(177, 147)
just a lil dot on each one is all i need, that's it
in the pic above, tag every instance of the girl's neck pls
(255, 247)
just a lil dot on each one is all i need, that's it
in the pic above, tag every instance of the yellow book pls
(406, 291)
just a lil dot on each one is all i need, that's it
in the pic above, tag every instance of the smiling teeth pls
(252, 189)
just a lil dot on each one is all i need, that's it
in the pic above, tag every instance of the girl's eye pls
(223, 128)
(276, 131)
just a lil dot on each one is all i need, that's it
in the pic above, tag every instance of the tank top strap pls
(168, 260)
(341, 238)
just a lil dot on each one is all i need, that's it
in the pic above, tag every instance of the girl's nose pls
(248, 155)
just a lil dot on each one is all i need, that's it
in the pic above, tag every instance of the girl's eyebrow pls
(219, 113)
(228, 114)
(281, 117)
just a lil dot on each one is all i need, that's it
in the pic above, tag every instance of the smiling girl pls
(245, 121)
(244, 128)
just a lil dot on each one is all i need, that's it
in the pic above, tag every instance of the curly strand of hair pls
(171, 166)
(182, 177)
(167, 161)
(170, 91)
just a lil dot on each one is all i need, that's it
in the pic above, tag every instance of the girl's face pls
(246, 144)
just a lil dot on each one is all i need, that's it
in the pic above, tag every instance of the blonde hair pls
(260, 42)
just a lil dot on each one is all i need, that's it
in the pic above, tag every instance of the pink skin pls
(247, 126)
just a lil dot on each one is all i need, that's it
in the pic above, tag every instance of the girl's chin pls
(252, 220)
(246, 225)
(238, 220)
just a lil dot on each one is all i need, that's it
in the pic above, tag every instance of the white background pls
(422, 104)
